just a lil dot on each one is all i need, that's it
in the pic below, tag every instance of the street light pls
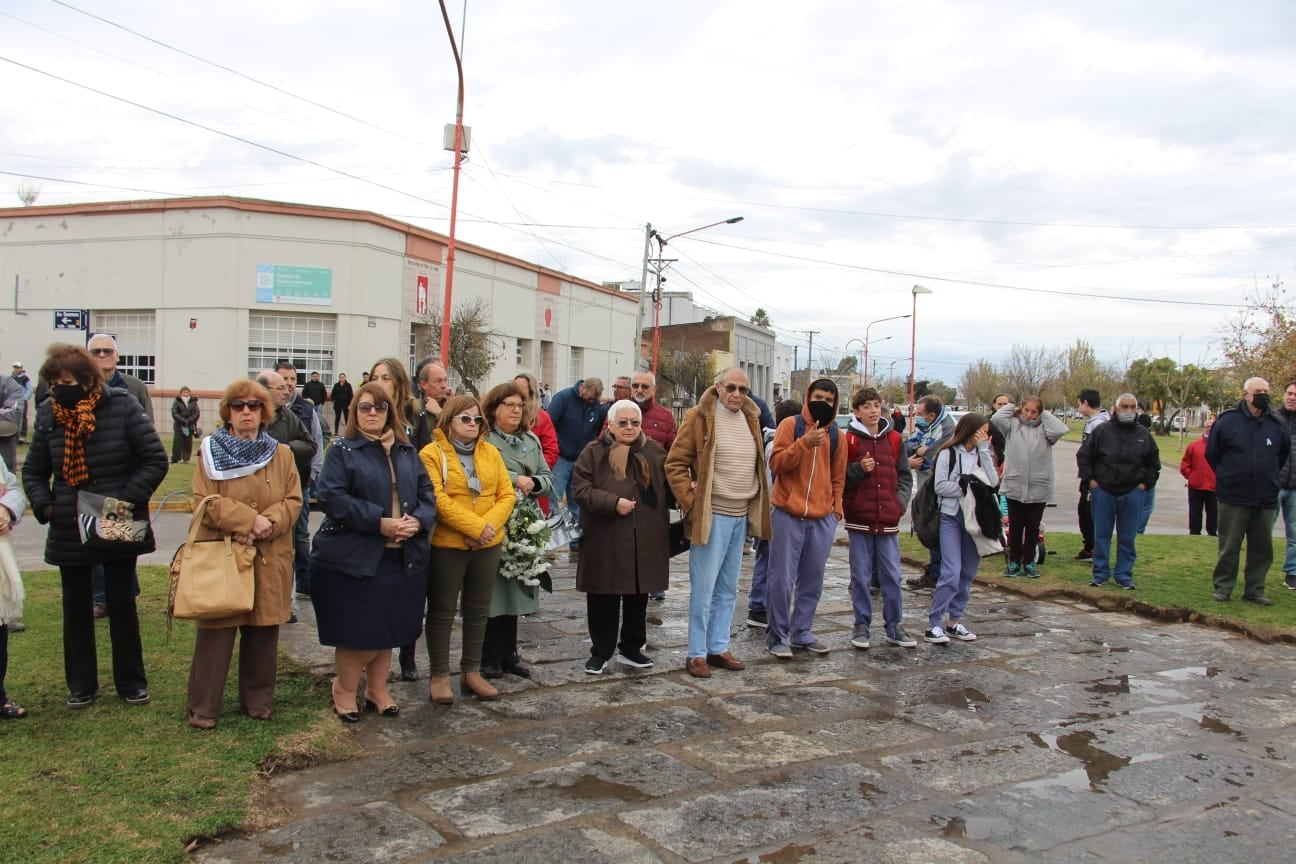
(864, 351)
(913, 347)
(866, 339)
(659, 269)
(454, 194)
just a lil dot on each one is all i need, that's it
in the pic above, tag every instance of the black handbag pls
(679, 541)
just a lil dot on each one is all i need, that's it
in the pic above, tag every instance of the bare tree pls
(472, 355)
(27, 193)
(980, 383)
(1261, 339)
(684, 375)
(1030, 370)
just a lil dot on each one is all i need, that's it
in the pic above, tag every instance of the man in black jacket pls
(1248, 447)
(287, 428)
(1122, 462)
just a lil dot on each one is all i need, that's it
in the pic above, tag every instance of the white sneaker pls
(961, 633)
(936, 636)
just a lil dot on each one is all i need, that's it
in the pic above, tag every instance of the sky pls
(1115, 172)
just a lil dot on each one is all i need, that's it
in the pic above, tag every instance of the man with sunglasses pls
(658, 422)
(103, 348)
(287, 428)
(717, 472)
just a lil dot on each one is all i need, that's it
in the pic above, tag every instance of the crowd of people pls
(418, 487)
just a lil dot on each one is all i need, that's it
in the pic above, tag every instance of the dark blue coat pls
(354, 490)
(125, 459)
(1248, 454)
(575, 421)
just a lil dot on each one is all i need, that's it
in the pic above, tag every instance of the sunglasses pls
(624, 423)
(103, 352)
(736, 388)
(641, 386)
(470, 419)
(373, 407)
(240, 404)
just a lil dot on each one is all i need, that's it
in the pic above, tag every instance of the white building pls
(199, 291)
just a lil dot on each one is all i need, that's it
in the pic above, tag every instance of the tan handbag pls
(211, 578)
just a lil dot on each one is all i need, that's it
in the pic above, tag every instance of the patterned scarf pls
(77, 423)
(226, 456)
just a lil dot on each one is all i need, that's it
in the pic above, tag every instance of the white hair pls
(1127, 396)
(724, 373)
(624, 405)
(652, 379)
(1251, 382)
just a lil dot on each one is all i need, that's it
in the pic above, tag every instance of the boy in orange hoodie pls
(808, 461)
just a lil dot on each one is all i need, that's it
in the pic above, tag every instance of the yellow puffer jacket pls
(460, 516)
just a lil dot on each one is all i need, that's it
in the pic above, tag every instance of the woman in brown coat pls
(260, 496)
(620, 483)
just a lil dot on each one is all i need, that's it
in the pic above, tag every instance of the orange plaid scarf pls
(77, 423)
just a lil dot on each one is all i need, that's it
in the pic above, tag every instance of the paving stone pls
(378, 832)
(806, 744)
(777, 810)
(555, 794)
(589, 846)
(791, 702)
(1200, 777)
(604, 691)
(962, 768)
(637, 729)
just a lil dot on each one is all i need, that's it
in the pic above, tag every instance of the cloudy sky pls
(1113, 171)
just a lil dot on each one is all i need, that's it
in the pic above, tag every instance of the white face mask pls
(1125, 416)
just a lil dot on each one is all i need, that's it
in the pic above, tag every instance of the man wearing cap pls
(20, 375)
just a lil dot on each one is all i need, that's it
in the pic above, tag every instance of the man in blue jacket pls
(577, 418)
(1248, 447)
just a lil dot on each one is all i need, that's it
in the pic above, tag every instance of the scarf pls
(226, 456)
(467, 453)
(619, 456)
(77, 423)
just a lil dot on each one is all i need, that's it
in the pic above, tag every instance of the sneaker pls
(637, 659)
(1032, 572)
(595, 665)
(136, 697)
(1128, 586)
(1014, 570)
(899, 637)
(77, 701)
(920, 582)
(1290, 582)
(936, 636)
(961, 633)
(1084, 555)
(1220, 597)
(781, 650)
(1259, 601)
(756, 618)
(657, 596)
(1094, 583)
(814, 646)
(860, 637)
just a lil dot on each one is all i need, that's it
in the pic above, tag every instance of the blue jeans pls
(1287, 506)
(760, 573)
(880, 553)
(959, 563)
(713, 585)
(1122, 513)
(562, 474)
(1149, 502)
(798, 553)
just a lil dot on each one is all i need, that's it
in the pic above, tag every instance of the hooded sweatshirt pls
(875, 500)
(808, 481)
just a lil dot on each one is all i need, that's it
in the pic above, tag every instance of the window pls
(307, 341)
(523, 353)
(134, 332)
(575, 363)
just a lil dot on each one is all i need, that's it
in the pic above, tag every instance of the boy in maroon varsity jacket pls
(878, 486)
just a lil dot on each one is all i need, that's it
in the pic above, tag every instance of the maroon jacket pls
(658, 423)
(875, 501)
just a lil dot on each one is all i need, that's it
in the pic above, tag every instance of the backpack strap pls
(833, 434)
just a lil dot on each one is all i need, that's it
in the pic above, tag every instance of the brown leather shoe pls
(439, 690)
(472, 683)
(697, 667)
(725, 661)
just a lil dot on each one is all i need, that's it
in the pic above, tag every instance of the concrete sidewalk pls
(1064, 734)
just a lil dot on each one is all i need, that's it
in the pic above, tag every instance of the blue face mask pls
(922, 423)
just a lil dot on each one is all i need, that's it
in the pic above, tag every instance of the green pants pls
(452, 572)
(1255, 524)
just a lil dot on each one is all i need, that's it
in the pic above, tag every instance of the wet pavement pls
(1064, 734)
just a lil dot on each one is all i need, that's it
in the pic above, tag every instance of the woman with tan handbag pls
(474, 500)
(258, 498)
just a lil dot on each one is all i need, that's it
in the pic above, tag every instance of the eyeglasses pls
(625, 423)
(512, 406)
(373, 407)
(470, 419)
(641, 386)
(103, 352)
(736, 388)
(240, 404)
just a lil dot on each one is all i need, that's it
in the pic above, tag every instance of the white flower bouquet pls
(526, 537)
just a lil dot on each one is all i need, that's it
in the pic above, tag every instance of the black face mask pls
(822, 412)
(67, 395)
(1260, 401)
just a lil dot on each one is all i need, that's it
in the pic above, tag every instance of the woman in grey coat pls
(1027, 476)
(504, 409)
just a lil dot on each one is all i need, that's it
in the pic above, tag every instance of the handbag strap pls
(196, 521)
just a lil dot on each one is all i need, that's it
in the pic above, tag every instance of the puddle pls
(1098, 765)
(656, 622)
(1190, 673)
(961, 697)
(1210, 724)
(1115, 685)
(787, 855)
(598, 789)
(973, 827)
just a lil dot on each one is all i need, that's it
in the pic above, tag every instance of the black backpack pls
(925, 510)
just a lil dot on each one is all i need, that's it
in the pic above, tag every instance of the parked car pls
(1178, 423)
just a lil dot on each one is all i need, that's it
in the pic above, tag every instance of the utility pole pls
(810, 352)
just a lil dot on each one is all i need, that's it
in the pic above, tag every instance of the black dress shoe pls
(346, 716)
(513, 666)
(77, 701)
(492, 671)
(408, 668)
(391, 710)
(138, 696)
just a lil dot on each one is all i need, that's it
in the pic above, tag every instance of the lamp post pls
(454, 194)
(863, 354)
(659, 269)
(913, 347)
(866, 339)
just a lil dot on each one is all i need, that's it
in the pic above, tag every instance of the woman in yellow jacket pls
(474, 498)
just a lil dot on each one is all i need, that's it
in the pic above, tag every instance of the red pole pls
(454, 196)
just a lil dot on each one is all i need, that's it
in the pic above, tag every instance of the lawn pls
(1173, 575)
(114, 783)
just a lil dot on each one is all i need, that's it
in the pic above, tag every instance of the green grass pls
(1173, 574)
(117, 783)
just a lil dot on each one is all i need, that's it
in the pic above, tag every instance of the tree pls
(684, 375)
(847, 365)
(761, 319)
(942, 391)
(1030, 371)
(980, 383)
(472, 355)
(1261, 339)
(27, 193)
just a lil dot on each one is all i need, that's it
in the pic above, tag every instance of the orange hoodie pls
(808, 481)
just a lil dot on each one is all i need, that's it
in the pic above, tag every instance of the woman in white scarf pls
(12, 505)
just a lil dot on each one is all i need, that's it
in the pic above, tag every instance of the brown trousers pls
(258, 663)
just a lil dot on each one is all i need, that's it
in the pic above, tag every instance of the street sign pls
(69, 319)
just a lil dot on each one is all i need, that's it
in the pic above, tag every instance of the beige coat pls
(275, 493)
(692, 458)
